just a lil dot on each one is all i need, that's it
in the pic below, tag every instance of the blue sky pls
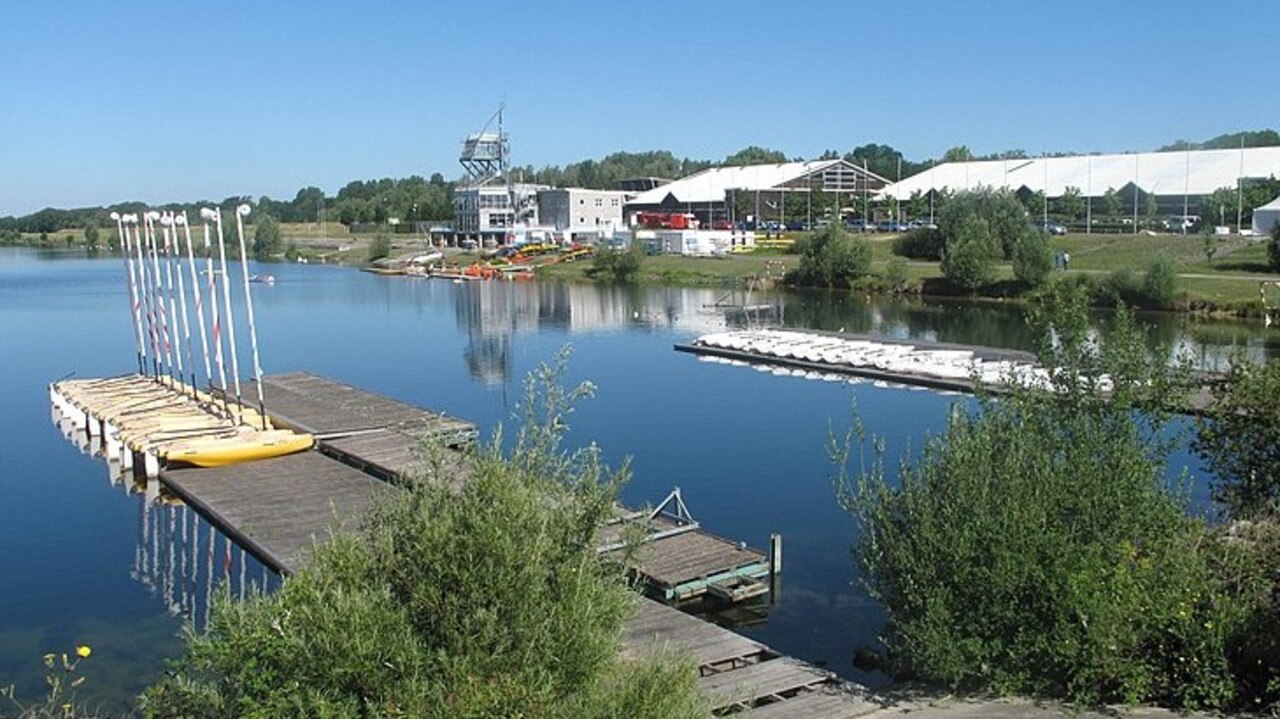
(124, 100)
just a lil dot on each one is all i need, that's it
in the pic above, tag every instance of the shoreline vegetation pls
(1217, 277)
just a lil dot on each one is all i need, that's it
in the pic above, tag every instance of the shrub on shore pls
(1035, 547)
(831, 257)
(485, 599)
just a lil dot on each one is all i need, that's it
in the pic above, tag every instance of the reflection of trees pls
(492, 312)
(934, 320)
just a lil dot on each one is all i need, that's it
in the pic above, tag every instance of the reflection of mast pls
(208, 579)
(195, 563)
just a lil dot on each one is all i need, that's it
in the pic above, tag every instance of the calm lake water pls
(88, 561)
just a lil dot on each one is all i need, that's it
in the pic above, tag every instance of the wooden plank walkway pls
(328, 408)
(277, 508)
(738, 673)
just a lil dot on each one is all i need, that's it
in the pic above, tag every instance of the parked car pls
(857, 225)
(890, 226)
(797, 226)
(1050, 226)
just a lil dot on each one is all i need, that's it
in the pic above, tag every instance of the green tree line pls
(416, 198)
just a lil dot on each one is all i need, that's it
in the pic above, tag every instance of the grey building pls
(491, 211)
(580, 213)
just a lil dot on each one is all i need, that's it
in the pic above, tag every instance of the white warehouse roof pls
(710, 185)
(1195, 172)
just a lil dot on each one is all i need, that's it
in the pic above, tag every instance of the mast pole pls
(207, 215)
(241, 211)
(181, 219)
(133, 292)
(231, 318)
(157, 290)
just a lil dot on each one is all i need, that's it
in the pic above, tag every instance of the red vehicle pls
(667, 220)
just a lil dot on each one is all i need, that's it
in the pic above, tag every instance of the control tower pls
(484, 154)
(487, 206)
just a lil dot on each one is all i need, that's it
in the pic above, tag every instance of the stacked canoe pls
(898, 358)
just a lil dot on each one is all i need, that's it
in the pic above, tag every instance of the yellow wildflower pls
(83, 651)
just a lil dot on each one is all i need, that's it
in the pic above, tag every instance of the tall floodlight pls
(1240, 189)
(1135, 192)
(1186, 191)
(1088, 197)
(1044, 196)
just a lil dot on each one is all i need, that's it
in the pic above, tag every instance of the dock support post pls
(775, 568)
(112, 442)
(151, 466)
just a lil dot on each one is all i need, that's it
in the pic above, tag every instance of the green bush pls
(380, 247)
(1239, 437)
(922, 243)
(895, 274)
(1035, 548)
(267, 242)
(1005, 217)
(831, 257)
(969, 258)
(617, 265)
(1160, 284)
(1120, 286)
(91, 236)
(1032, 258)
(482, 600)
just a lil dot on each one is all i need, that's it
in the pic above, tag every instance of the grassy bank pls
(1227, 282)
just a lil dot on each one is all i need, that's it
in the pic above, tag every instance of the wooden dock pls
(738, 673)
(328, 409)
(278, 509)
(868, 373)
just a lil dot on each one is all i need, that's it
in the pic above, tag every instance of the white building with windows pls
(490, 211)
(580, 214)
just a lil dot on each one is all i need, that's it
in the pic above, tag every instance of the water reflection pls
(491, 314)
(179, 557)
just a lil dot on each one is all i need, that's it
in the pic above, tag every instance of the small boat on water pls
(263, 279)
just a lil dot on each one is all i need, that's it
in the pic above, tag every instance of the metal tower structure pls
(484, 154)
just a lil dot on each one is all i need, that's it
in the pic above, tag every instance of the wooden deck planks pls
(753, 682)
(657, 625)
(277, 508)
(689, 556)
(322, 406)
(821, 703)
(391, 454)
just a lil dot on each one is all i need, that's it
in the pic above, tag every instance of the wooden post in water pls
(775, 567)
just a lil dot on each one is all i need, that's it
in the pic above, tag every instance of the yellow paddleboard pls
(221, 452)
